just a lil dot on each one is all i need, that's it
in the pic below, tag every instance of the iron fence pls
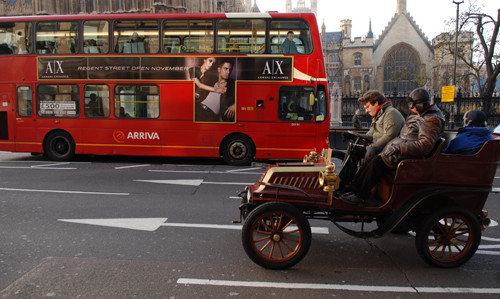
(453, 111)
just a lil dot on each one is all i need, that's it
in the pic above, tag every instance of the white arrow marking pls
(191, 182)
(145, 224)
(493, 223)
(152, 224)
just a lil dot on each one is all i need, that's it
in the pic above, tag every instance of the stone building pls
(40, 7)
(301, 6)
(399, 60)
(444, 68)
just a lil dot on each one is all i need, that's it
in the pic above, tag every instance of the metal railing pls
(453, 111)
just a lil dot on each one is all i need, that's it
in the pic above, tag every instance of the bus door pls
(6, 114)
(25, 129)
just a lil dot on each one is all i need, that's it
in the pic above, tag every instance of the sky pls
(429, 15)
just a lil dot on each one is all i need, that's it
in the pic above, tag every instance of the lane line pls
(37, 167)
(314, 230)
(490, 239)
(497, 246)
(487, 252)
(204, 172)
(132, 166)
(52, 164)
(65, 191)
(245, 169)
(228, 183)
(340, 287)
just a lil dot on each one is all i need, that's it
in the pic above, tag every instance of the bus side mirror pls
(312, 99)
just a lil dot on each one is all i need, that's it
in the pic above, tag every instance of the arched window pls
(367, 82)
(401, 66)
(347, 85)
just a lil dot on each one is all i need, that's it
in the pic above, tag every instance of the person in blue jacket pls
(472, 136)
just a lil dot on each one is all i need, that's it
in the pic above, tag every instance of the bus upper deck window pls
(188, 36)
(290, 37)
(136, 36)
(241, 36)
(95, 37)
(57, 37)
(15, 38)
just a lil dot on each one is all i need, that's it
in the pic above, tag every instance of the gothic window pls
(400, 68)
(357, 59)
(445, 79)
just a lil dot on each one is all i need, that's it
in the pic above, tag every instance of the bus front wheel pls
(59, 146)
(237, 150)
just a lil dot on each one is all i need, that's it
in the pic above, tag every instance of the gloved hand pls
(392, 150)
(347, 136)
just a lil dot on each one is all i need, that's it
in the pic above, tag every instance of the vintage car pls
(441, 198)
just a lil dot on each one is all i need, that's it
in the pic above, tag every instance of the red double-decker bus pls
(236, 86)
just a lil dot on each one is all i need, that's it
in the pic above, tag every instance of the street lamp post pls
(456, 44)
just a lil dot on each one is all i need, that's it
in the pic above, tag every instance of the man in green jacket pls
(387, 121)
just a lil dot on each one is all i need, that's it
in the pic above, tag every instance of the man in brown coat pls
(429, 132)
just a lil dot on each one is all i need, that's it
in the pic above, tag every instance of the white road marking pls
(314, 230)
(489, 246)
(487, 252)
(490, 239)
(38, 167)
(493, 223)
(152, 224)
(64, 191)
(52, 164)
(145, 224)
(244, 169)
(132, 166)
(195, 182)
(204, 171)
(174, 182)
(340, 287)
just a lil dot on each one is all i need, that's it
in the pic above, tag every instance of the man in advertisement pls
(216, 106)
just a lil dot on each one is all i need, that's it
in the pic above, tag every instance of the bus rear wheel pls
(59, 146)
(237, 150)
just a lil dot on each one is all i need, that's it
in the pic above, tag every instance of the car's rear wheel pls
(448, 237)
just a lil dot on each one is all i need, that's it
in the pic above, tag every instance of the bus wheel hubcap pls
(238, 150)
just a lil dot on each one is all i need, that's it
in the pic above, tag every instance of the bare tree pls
(485, 65)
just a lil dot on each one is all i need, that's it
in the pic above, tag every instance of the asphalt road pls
(121, 227)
